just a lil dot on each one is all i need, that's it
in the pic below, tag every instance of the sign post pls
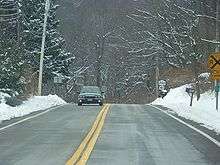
(214, 66)
(192, 91)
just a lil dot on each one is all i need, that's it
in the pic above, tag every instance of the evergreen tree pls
(11, 60)
(56, 59)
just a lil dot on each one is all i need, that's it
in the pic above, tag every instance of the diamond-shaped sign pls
(214, 65)
(214, 61)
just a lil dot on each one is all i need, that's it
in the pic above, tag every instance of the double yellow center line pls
(84, 150)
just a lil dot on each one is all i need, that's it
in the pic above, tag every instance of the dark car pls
(90, 95)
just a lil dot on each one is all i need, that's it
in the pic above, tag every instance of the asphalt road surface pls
(131, 134)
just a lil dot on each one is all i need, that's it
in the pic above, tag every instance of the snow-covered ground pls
(33, 104)
(202, 111)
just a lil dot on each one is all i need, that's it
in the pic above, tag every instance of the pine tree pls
(11, 59)
(56, 59)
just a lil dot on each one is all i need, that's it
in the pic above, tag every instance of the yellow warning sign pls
(214, 61)
(214, 65)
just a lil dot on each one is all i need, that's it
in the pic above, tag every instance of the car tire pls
(101, 104)
(79, 104)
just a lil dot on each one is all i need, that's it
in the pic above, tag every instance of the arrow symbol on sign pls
(216, 61)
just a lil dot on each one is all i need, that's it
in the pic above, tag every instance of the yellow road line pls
(86, 154)
(82, 146)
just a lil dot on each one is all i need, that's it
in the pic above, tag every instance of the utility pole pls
(47, 7)
(157, 75)
(100, 52)
(97, 62)
(217, 34)
(157, 8)
(217, 49)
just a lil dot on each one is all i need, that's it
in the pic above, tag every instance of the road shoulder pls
(198, 126)
(32, 115)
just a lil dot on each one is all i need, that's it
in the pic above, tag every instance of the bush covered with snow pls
(8, 97)
(13, 101)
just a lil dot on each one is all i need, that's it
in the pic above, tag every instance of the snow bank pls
(202, 111)
(33, 104)
(2, 96)
(204, 75)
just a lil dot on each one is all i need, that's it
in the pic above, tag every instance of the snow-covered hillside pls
(33, 104)
(202, 111)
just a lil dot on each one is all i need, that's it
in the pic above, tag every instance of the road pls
(49, 139)
(131, 134)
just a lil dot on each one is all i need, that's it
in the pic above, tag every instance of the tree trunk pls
(197, 83)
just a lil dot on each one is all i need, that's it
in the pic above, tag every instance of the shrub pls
(13, 101)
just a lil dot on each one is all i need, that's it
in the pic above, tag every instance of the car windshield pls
(90, 89)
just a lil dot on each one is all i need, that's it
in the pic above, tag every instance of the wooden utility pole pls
(217, 34)
(98, 61)
(47, 8)
(157, 75)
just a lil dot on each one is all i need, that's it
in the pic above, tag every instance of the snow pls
(35, 103)
(211, 41)
(2, 96)
(204, 75)
(202, 111)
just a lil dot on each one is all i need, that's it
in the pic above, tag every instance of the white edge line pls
(31, 117)
(190, 126)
